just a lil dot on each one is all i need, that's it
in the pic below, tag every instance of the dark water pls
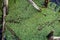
(56, 2)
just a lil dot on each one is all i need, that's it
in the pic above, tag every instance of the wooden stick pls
(5, 4)
(56, 37)
(34, 5)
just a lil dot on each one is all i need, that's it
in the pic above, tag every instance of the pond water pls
(56, 1)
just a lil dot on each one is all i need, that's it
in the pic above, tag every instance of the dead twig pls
(34, 5)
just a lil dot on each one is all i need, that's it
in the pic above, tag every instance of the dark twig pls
(50, 35)
(48, 24)
(13, 33)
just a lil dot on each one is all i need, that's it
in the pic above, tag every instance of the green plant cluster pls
(28, 23)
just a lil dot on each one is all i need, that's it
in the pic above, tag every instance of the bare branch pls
(34, 5)
(5, 5)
